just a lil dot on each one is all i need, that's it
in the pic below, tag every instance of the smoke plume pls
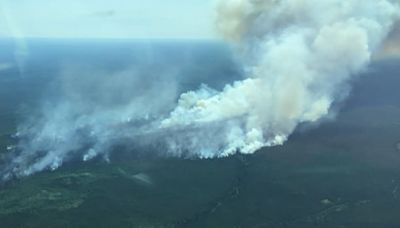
(299, 57)
(92, 112)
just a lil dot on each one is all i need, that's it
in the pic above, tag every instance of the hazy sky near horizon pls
(107, 19)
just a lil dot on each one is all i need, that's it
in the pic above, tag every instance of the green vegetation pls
(102, 195)
(342, 174)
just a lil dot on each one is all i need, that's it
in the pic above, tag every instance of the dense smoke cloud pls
(391, 47)
(299, 57)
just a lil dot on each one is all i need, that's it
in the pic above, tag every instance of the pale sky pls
(181, 19)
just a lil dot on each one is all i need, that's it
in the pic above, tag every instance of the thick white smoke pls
(299, 55)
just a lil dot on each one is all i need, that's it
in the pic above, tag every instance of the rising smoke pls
(299, 57)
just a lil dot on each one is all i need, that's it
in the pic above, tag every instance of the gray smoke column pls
(300, 56)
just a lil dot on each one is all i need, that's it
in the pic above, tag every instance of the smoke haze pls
(298, 56)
